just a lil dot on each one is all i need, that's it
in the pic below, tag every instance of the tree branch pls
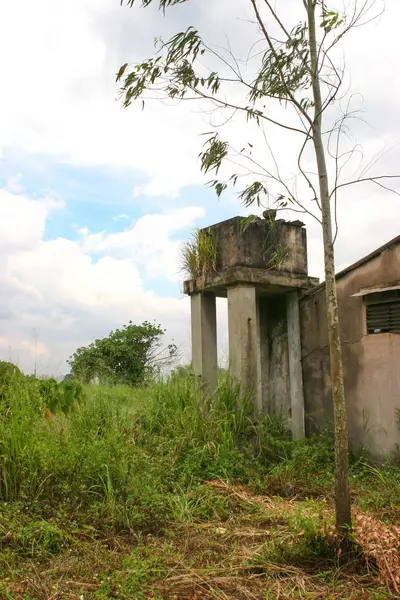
(282, 78)
(370, 179)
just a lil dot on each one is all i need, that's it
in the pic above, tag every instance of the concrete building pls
(278, 342)
(369, 312)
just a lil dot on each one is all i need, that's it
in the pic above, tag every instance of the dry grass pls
(277, 583)
(237, 559)
(381, 543)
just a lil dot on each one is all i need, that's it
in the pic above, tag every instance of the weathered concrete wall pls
(276, 359)
(371, 362)
(266, 352)
(263, 245)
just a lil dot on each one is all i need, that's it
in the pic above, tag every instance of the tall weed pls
(135, 459)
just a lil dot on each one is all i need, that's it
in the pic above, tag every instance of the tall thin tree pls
(296, 70)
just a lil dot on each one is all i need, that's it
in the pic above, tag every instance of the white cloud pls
(71, 109)
(57, 288)
(122, 216)
(69, 55)
(147, 241)
(13, 184)
(22, 220)
(37, 349)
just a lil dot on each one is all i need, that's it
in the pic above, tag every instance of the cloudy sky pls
(96, 200)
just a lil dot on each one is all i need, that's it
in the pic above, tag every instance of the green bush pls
(62, 396)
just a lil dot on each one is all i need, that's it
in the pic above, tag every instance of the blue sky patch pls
(100, 198)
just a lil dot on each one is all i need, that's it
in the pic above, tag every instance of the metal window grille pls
(384, 316)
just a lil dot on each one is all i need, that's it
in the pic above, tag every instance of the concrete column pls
(204, 340)
(264, 353)
(244, 341)
(295, 367)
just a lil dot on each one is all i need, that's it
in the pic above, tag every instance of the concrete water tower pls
(261, 269)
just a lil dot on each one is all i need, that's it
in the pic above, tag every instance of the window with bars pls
(383, 312)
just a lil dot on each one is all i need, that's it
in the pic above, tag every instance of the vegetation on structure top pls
(199, 254)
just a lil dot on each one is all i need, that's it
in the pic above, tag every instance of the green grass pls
(199, 254)
(135, 487)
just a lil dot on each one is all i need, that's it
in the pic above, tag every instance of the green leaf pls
(121, 71)
(213, 156)
(253, 193)
(245, 222)
(219, 186)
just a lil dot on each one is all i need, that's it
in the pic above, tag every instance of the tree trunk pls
(342, 493)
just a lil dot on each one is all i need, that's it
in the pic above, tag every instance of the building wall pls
(275, 357)
(371, 362)
(280, 245)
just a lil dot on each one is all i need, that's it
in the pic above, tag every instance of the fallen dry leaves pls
(381, 543)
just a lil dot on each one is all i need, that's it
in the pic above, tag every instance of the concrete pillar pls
(244, 341)
(204, 340)
(295, 367)
(264, 353)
